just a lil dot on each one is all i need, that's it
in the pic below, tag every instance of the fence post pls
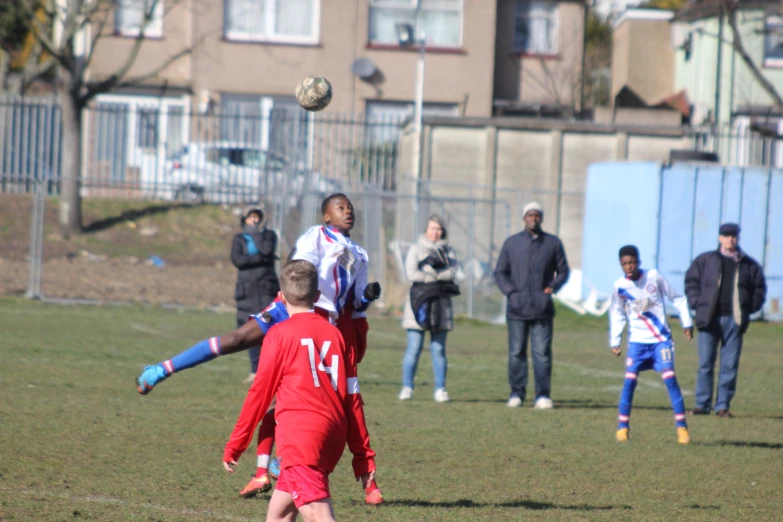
(472, 255)
(36, 241)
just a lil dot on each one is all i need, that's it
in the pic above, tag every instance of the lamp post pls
(406, 35)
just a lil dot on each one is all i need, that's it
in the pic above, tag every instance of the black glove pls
(437, 260)
(372, 291)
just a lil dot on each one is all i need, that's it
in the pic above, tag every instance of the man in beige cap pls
(531, 267)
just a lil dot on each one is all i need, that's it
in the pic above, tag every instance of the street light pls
(406, 35)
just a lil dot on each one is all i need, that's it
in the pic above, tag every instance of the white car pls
(219, 172)
(227, 172)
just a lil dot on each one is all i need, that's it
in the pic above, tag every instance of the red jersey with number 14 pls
(303, 364)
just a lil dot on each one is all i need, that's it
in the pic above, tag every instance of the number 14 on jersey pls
(332, 369)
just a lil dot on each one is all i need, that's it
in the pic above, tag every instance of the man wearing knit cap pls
(531, 267)
(724, 287)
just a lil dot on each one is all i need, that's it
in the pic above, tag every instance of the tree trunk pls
(71, 157)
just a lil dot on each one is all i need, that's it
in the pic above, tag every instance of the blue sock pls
(626, 399)
(675, 395)
(202, 352)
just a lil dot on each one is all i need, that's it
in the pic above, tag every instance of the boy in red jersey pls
(303, 363)
(345, 295)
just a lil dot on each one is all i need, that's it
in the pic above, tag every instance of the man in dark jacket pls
(253, 253)
(724, 287)
(531, 267)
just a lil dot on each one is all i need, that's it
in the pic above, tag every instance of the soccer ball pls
(314, 93)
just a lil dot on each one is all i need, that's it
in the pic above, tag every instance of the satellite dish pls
(364, 68)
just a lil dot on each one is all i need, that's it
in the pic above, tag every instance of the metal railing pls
(164, 152)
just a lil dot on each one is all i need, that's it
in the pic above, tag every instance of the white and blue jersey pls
(342, 275)
(342, 268)
(640, 303)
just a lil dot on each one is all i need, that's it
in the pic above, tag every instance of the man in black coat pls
(253, 253)
(531, 267)
(724, 287)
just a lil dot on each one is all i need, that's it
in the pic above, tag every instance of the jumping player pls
(345, 296)
(303, 364)
(638, 300)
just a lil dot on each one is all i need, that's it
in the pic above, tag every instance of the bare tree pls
(57, 35)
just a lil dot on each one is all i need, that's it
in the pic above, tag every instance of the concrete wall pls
(521, 160)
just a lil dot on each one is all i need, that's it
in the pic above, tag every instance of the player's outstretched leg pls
(678, 405)
(261, 481)
(199, 353)
(626, 400)
(249, 335)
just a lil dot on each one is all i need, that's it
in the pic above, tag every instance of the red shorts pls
(305, 484)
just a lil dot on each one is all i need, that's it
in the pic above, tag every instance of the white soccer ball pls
(314, 93)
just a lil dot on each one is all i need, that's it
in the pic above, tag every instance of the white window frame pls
(415, 6)
(773, 22)
(134, 103)
(269, 29)
(155, 27)
(555, 16)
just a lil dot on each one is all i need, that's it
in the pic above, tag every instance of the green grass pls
(78, 442)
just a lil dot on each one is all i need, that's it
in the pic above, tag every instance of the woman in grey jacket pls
(430, 260)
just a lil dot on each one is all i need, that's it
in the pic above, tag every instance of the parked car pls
(226, 172)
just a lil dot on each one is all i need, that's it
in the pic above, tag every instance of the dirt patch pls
(117, 281)
(180, 234)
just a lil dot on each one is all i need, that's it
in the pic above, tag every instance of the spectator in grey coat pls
(531, 267)
(724, 287)
(429, 261)
(253, 253)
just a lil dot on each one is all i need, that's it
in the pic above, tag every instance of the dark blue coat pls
(526, 267)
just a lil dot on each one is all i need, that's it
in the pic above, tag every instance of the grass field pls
(79, 443)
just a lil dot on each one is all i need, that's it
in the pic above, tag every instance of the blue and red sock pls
(626, 400)
(675, 395)
(202, 352)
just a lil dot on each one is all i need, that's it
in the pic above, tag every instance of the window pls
(773, 41)
(288, 21)
(535, 27)
(439, 20)
(130, 14)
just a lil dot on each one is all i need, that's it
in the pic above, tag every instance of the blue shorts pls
(653, 356)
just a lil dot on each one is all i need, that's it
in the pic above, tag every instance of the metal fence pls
(164, 152)
(104, 269)
(743, 143)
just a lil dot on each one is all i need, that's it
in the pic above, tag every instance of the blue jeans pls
(411, 359)
(724, 330)
(540, 332)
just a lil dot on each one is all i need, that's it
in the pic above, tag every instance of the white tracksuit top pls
(641, 304)
(342, 268)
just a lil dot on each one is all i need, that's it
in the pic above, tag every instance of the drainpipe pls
(584, 50)
(716, 112)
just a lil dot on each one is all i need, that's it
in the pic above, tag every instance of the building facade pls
(720, 86)
(246, 51)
